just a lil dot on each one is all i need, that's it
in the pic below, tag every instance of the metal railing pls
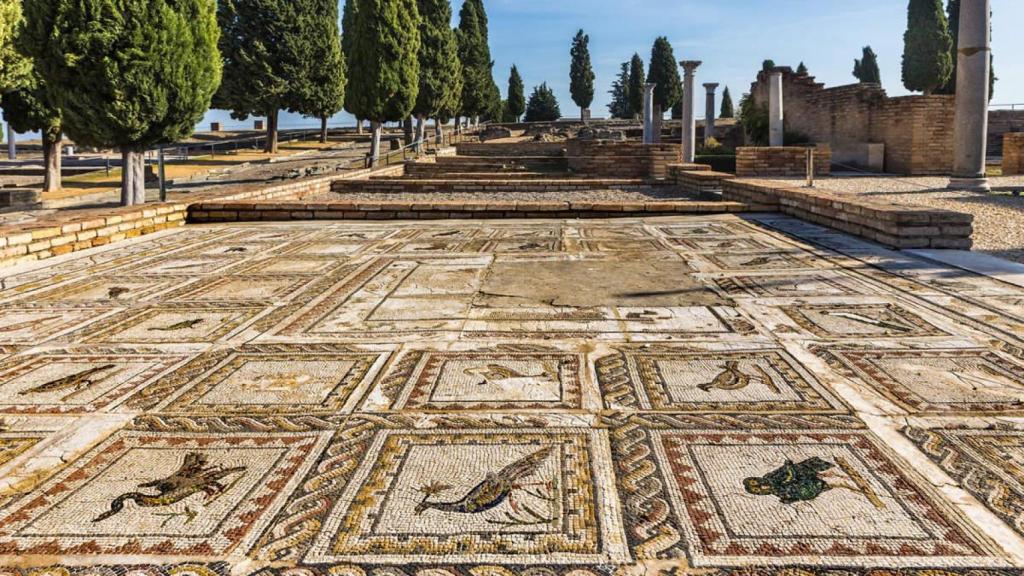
(420, 148)
(1006, 106)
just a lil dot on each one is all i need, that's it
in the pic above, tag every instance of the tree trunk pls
(458, 123)
(271, 147)
(438, 132)
(421, 134)
(133, 177)
(51, 157)
(407, 131)
(359, 125)
(376, 129)
(323, 130)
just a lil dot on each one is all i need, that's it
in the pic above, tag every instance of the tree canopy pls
(14, 67)
(581, 73)
(664, 71)
(543, 106)
(440, 74)
(321, 87)
(619, 105)
(637, 79)
(866, 69)
(515, 105)
(927, 61)
(384, 60)
(728, 110)
(475, 55)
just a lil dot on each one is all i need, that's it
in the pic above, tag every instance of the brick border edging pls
(399, 210)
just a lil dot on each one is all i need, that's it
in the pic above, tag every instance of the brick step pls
(524, 175)
(511, 149)
(400, 185)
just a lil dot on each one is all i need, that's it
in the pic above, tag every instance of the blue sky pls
(732, 37)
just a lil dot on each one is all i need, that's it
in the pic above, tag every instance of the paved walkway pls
(509, 398)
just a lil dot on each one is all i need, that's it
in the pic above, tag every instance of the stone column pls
(776, 130)
(689, 122)
(972, 94)
(649, 113)
(709, 111)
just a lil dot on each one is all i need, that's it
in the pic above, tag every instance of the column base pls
(969, 184)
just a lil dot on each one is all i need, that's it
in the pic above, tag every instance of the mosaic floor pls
(706, 395)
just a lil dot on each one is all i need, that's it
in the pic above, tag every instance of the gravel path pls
(998, 217)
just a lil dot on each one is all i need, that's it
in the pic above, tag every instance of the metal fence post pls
(810, 167)
(162, 174)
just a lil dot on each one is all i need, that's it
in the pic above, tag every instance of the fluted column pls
(649, 113)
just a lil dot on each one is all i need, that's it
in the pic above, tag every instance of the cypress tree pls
(953, 18)
(516, 104)
(384, 72)
(543, 106)
(768, 65)
(440, 80)
(619, 106)
(664, 71)
(728, 111)
(263, 50)
(129, 78)
(927, 64)
(801, 69)
(866, 68)
(637, 79)
(347, 24)
(14, 67)
(475, 55)
(321, 90)
(29, 109)
(581, 73)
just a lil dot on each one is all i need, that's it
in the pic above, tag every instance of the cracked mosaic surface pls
(707, 395)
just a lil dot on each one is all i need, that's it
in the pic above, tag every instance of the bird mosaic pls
(495, 489)
(75, 382)
(803, 482)
(195, 476)
(732, 378)
(183, 325)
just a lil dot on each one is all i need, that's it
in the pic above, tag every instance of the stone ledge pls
(891, 225)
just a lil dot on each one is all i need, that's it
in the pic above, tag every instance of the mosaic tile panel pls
(860, 320)
(205, 322)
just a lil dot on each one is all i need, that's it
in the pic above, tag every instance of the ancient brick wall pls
(1013, 154)
(756, 161)
(917, 131)
(511, 149)
(621, 159)
(1001, 122)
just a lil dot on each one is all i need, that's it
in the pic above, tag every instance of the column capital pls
(690, 66)
(711, 87)
(650, 86)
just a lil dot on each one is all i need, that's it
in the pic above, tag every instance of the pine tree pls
(619, 106)
(664, 71)
(321, 88)
(866, 69)
(637, 79)
(927, 64)
(129, 78)
(543, 106)
(440, 77)
(728, 111)
(475, 55)
(768, 65)
(581, 73)
(263, 48)
(30, 109)
(384, 72)
(14, 67)
(802, 69)
(516, 103)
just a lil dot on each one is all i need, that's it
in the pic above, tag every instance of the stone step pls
(19, 197)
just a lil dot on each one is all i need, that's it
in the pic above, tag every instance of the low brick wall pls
(511, 149)
(71, 231)
(782, 161)
(412, 186)
(890, 225)
(438, 210)
(621, 159)
(703, 181)
(428, 170)
(1013, 154)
